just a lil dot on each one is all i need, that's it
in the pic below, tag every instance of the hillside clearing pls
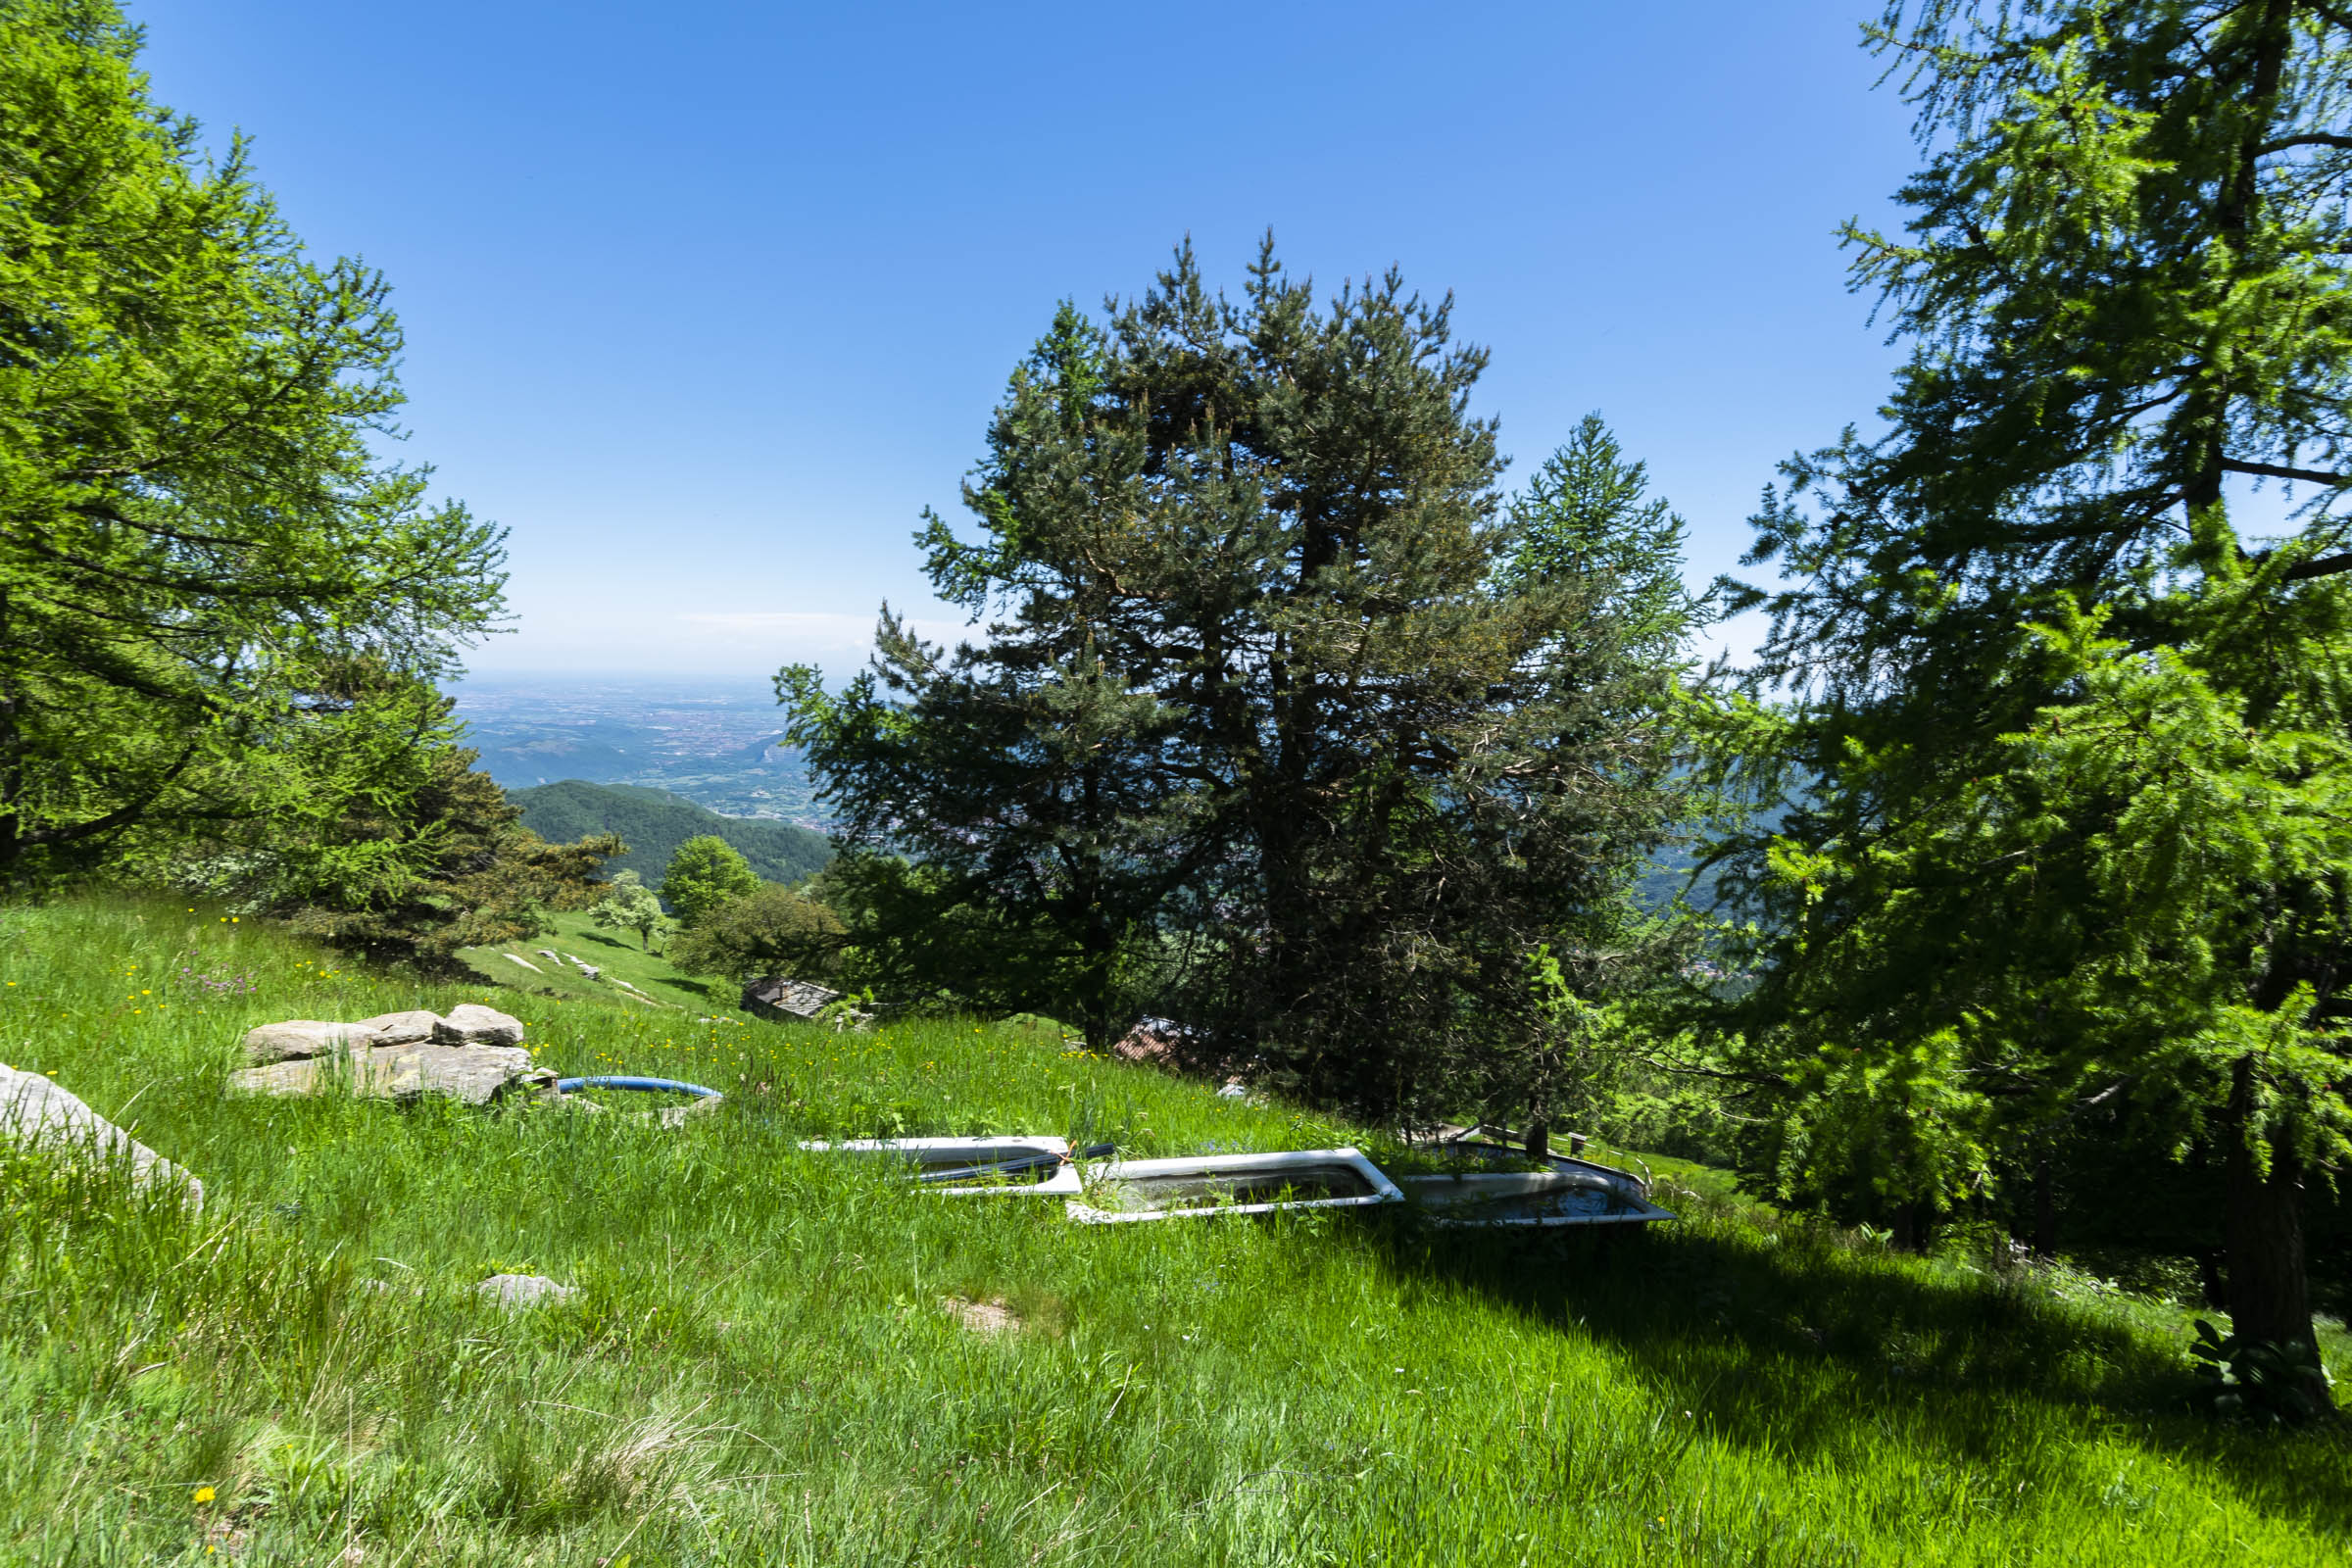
(775, 1359)
(617, 954)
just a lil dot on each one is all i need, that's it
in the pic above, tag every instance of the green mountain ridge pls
(654, 822)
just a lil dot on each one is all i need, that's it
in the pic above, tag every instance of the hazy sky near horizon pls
(706, 303)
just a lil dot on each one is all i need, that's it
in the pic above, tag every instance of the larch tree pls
(2070, 704)
(201, 557)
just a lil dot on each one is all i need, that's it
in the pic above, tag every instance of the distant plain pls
(711, 742)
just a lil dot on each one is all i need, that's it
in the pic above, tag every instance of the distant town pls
(711, 742)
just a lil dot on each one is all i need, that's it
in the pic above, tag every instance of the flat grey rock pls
(692, 1111)
(298, 1037)
(472, 1024)
(512, 1291)
(39, 1113)
(400, 1028)
(474, 1075)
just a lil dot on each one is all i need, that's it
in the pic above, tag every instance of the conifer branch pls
(2277, 471)
(2311, 138)
(2323, 566)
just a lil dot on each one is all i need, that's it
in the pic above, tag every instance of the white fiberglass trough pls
(974, 1167)
(1543, 1199)
(1120, 1191)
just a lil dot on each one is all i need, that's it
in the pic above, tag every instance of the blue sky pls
(706, 303)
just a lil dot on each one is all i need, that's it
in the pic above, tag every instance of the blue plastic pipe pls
(568, 1086)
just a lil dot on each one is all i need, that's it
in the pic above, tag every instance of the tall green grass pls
(760, 1365)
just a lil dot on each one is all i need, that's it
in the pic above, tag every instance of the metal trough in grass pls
(1498, 1152)
(1194, 1186)
(1534, 1198)
(974, 1167)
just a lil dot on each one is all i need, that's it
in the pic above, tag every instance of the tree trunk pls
(2212, 1280)
(2045, 1212)
(1538, 1139)
(2262, 1231)
(12, 758)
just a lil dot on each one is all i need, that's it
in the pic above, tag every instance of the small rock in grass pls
(1153, 1040)
(42, 1114)
(680, 1116)
(991, 1316)
(472, 1024)
(512, 1291)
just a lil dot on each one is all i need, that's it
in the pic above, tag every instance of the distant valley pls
(713, 745)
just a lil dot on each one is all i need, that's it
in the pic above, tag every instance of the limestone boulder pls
(300, 1038)
(474, 1075)
(692, 1111)
(512, 1291)
(400, 1028)
(37, 1112)
(472, 1024)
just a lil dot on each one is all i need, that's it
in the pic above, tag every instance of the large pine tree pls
(1268, 728)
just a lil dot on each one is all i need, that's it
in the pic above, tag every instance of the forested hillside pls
(654, 822)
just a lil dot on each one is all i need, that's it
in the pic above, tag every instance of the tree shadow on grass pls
(1790, 1342)
(602, 940)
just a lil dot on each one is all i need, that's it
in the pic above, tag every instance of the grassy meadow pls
(763, 1363)
(614, 953)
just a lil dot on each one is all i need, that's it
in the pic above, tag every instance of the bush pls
(705, 873)
(2267, 1382)
(770, 930)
